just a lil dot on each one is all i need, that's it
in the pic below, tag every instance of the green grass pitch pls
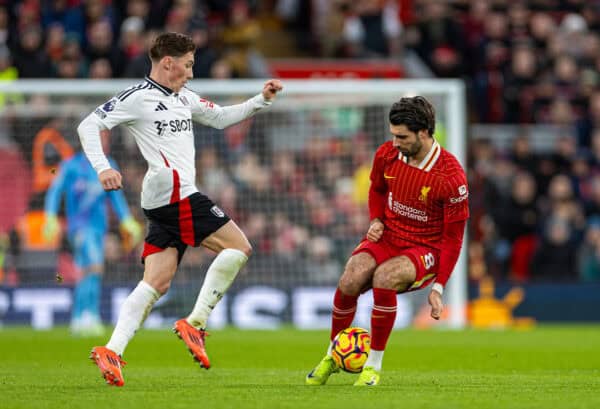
(548, 367)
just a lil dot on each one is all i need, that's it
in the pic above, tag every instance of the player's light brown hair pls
(172, 45)
(416, 113)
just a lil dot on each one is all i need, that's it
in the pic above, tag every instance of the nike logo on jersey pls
(388, 176)
(161, 107)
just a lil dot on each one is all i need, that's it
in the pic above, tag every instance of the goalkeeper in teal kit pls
(87, 224)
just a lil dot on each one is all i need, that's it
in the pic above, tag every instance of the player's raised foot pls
(322, 371)
(110, 365)
(368, 377)
(194, 339)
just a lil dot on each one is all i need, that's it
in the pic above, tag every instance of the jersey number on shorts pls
(428, 260)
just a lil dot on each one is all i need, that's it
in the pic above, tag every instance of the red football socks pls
(382, 317)
(344, 308)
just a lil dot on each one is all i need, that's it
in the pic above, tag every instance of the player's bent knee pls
(398, 275)
(386, 279)
(247, 250)
(349, 285)
(159, 284)
(164, 288)
(161, 288)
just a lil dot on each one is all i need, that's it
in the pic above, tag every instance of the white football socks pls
(329, 348)
(375, 359)
(219, 277)
(134, 311)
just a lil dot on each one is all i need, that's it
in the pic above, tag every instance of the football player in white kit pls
(159, 113)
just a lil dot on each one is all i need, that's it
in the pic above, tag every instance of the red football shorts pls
(425, 259)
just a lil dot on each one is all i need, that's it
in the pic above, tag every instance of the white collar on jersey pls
(429, 160)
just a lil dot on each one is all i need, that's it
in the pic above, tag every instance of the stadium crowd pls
(535, 215)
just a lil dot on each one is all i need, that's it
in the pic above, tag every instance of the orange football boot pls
(110, 365)
(194, 339)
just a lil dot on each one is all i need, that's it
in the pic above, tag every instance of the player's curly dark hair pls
(416, 113)
(171, 44)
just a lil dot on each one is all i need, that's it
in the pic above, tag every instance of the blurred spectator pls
(182, 16)
(573, 28)
(291, 238)
(372, 29)
(581, 173)
(588, 257)
(590, 120)
(30, 59)
(211, 176)
(100, 69)
(592, 200)
(138, 9)
(69, 67)
(321, 265)
(561, 204)
(518, 84)
(7, 71)
(101, 45)
(96, 11)
(542, 27)
(473, 24)
(132, 37)
(5, 30)
(287, 176)
(439, 40)
(140, 65)
(55, 38)
(61, 13)
(522, 154)
(239, 40)
(517, 222)
(519, 13)
(205, 55)
(321, 28)
(555, 259)
(221, 70)
(28, 14)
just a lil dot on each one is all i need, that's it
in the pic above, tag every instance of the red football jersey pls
(419, 199)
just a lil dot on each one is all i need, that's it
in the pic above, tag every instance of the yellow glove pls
(133, 230)
(50, 228)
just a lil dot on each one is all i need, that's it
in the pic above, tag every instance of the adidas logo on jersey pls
(161, 107)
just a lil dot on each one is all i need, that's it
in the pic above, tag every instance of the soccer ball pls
(351, 348)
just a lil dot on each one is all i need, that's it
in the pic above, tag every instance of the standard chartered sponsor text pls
(410, 212)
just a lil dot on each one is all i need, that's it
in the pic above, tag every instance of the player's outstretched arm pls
(271, 88)
(220, 117)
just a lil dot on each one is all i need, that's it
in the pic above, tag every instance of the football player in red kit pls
(418, 206)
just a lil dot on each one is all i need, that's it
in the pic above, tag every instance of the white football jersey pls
(161, 122)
